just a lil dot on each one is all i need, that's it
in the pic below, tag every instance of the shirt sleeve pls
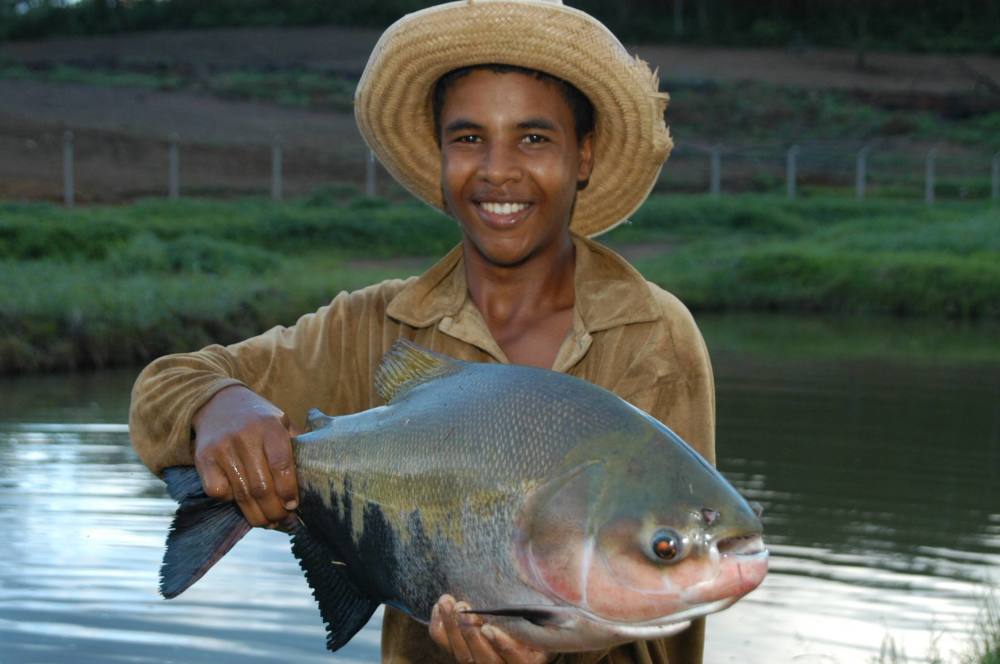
(313, 363)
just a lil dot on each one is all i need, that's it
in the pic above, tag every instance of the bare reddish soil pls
(120, 134)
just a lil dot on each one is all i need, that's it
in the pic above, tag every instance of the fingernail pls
(291, 505)
(489, 632)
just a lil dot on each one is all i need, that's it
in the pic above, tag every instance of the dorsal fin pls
(405, 365)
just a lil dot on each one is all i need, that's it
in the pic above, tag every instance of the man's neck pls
(527, 307)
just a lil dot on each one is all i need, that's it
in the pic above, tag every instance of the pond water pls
(874, 447)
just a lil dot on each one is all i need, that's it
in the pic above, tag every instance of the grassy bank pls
(106, 286)
(982, 646)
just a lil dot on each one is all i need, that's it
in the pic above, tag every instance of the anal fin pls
(344, 608)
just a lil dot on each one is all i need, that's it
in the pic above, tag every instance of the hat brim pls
(393, 104)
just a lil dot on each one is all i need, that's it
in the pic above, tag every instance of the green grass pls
(982, 646)
(103, 286)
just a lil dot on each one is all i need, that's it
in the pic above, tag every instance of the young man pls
(532, 127)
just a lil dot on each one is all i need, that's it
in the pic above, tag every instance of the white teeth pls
(503, 208)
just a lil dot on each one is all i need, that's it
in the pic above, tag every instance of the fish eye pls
(667, 546)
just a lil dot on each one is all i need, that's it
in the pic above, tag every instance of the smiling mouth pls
(502, 214)
(503, 208)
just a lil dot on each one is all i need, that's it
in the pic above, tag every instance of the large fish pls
(560, 512)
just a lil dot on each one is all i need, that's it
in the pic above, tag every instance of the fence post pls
(174, 174)
(370, 174)
(69, 185)
(276, 166)
(929, 176)
(861, 172)
(995, 188)
(715, 178)
(678, 17)
(791, 169)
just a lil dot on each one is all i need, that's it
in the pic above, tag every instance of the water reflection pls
(877, 465)
(78, 567)
(877, 461)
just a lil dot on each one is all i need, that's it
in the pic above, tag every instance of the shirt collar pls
(608, 291)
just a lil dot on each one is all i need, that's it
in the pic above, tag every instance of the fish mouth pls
(741, 546)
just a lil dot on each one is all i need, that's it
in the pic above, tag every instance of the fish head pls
(637, 536)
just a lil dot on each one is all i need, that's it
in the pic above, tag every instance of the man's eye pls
(535, 138)
(470, 138)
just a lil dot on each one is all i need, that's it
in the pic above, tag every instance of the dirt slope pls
(121, 133)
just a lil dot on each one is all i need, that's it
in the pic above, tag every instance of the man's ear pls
(586, 154)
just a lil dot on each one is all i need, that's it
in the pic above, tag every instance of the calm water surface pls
(874, 447)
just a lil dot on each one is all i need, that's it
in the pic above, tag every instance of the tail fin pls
(203, 530)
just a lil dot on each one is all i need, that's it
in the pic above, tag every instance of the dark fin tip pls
(202, 532)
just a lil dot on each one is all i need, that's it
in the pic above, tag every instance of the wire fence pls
(867, 169)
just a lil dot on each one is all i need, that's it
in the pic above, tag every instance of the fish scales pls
(558, 511)
(423, 472)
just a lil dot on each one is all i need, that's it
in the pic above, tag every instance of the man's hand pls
(243, 453)
(470, 642)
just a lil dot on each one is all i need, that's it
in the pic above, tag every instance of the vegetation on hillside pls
(118, 285)
(924, 25)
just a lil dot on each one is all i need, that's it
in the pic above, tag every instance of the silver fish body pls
(558, 511)
(523, 492)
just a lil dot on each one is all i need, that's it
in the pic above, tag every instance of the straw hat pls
(392, 103)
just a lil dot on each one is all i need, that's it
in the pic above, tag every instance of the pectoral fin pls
(536, 615)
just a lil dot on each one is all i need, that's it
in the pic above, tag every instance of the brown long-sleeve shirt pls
(628, 336)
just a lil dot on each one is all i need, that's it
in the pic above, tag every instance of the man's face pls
(510, 163)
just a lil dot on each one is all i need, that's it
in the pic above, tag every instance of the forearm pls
(165, 398)
(311, 364)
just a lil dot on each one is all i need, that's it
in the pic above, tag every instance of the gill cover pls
(555, 541)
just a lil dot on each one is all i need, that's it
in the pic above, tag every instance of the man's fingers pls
(471, 625)
(438, 634)
(237, 475)
(511, 651)
(213, 479)
(260, 485)
(282, 464)
(453, 631)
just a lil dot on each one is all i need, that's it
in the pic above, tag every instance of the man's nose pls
(500, 164)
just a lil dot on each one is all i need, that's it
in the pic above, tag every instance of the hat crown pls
(393, 104)
(527, 2)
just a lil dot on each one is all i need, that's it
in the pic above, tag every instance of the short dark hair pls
(579, 105)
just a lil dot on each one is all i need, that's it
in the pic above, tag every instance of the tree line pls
(954, 26)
